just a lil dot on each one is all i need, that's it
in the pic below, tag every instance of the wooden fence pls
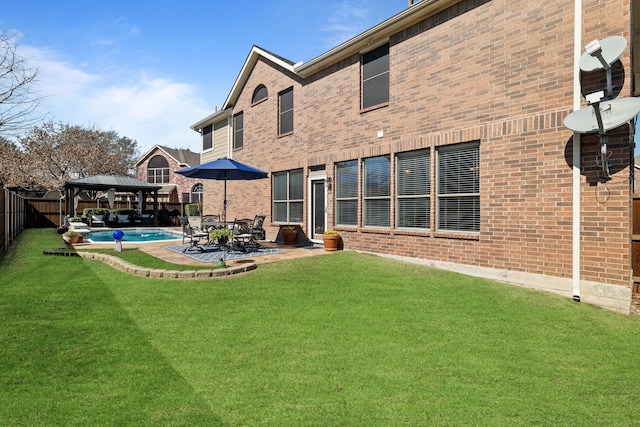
(43, 213)
(13, 217)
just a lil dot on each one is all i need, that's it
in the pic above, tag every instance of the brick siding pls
(497, 72)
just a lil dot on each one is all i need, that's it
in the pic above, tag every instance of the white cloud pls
(149, 109)
(347, 20)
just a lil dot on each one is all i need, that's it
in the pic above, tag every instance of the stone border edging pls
(127, 267)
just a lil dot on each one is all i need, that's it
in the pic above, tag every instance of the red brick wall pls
(500, 73)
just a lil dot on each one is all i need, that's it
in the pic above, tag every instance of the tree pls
(54, 153)
(17, 100)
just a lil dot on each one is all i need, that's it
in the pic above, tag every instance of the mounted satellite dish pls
(600, 54)
(614, 113)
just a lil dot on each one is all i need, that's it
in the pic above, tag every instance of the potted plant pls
(331, 238)
(289, 234)
(71, 237)
(220, 235)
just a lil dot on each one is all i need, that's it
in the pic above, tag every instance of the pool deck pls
(158, 250)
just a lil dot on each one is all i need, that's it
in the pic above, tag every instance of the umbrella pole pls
(224, 203)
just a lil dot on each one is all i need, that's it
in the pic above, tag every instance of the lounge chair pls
(194, 235)
(123, 219)
(96, 221)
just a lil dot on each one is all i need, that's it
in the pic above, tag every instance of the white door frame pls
(317, 176)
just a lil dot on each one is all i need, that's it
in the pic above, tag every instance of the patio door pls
(317, 207)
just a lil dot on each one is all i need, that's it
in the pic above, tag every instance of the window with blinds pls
(286, 111)
(413, 189)
(375, 77)
(376, 206)
(458, 198)
(288, 196)
(207, 138)
(347, 193)
(238, 130)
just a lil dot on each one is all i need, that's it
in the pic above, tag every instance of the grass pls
(143, 259)
(339, 339)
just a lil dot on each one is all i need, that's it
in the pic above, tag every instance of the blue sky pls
(150, 69)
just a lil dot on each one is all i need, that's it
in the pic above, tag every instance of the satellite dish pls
(612, 49)
(614, 113)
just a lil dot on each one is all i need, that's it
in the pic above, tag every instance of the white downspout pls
(577, 51)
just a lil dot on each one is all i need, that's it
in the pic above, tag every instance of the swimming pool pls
(139, 235)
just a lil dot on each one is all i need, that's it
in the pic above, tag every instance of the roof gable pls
(255, 54)
(182, 156)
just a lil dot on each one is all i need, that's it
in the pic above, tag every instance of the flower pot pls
(71, 240)
(331, 241)
(289, 236)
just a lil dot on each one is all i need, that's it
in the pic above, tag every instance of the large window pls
(375, 77)
(288, 196)
(238, 130)
(207, 138)
(158, 170)
(286, 112)
(347, 193)
(413, 185)
(459, 188)
(377, 192)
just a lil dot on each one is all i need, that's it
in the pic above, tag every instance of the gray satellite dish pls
(612, 49)
(614, 113)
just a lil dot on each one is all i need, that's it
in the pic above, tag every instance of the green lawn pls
(343, 339)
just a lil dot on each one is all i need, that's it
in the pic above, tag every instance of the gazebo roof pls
(105, 182)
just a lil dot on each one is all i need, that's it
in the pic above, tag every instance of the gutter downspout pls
(577, 51)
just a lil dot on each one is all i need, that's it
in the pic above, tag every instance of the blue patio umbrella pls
(224, 169)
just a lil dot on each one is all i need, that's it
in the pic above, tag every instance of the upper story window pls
(207, 138)
(158, 170)
(375, 77)
(259, 94)
(285, 103)
(238, 130)
(458, 193)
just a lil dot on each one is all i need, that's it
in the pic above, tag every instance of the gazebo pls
(111, 184)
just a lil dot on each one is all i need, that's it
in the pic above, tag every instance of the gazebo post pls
(155, 208)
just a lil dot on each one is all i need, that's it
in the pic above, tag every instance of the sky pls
(148, 70)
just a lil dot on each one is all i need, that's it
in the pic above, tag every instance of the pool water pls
(136, 235)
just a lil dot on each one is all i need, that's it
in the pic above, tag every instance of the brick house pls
(437, 135)
(158, 166)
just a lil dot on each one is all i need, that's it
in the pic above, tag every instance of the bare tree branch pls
(18, 102)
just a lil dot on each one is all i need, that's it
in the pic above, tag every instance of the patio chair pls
(194, 235)
(242, 237)
(97, 221)
(246, 233)
(256, 228)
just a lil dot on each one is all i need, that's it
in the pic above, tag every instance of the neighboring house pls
(158, 166)
(437, 135)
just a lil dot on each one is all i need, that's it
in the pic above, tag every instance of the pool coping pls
(137, 270)
(178, 235)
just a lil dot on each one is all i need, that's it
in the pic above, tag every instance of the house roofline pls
(163, 149)
(363, 42)
(254, 54)
(374, 36)
(210, 119)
